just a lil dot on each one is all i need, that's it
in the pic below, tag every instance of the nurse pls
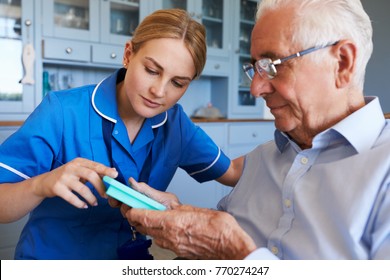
(127, 126)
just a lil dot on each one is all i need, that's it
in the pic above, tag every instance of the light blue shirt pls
(331, 201)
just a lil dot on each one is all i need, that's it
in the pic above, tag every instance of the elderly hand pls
(193, 233)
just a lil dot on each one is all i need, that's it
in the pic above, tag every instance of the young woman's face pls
(157, 76)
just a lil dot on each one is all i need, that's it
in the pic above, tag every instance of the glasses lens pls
(265, 66)
(249, 70)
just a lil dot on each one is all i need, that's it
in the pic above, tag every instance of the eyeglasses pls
(266, 67)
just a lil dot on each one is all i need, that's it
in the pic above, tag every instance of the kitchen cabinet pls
(80, 42)
(71, 19)
(83, 41)
(119, 19)
(106, 21)
(235, 139)
(17, 34)
(214, 15)
(89, 32)
(243, 104)
(9, 233)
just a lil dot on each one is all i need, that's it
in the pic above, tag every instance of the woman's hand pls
(69, 179)
(169, 200)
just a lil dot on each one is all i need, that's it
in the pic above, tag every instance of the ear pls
(127, 53)
(345, 52)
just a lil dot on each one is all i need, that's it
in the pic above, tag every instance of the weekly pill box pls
(129, 196)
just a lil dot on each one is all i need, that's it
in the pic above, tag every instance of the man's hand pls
(193, 233)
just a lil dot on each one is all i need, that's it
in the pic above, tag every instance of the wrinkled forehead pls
(273, 33)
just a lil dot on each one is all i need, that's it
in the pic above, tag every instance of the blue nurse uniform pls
(68, 124)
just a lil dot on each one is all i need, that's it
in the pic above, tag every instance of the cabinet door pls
(119, 19)
(214, 15)
(206, 194)
(17, 36)
(244, 137)
(243, 103)
(73, 19)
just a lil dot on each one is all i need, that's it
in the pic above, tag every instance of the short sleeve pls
(32, 149)
(201, 158)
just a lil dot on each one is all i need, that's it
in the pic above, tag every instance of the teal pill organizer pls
(129, 196)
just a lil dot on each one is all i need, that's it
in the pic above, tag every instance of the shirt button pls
(275, 250)
(304, 160)
(287, 203)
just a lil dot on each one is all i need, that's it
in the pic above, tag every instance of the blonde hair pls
(175, 24)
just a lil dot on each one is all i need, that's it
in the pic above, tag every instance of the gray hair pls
(320, 22)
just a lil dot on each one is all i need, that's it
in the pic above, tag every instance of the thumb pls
(168, 199)
(141, 187)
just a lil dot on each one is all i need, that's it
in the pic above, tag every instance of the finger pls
(85, 192)
(124, 208)
(66, 194)
(140, 187)
(99, 168)
(168, 199)
(92, 172)
(114, 203)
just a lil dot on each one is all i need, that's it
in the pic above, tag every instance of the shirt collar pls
(104, 101)
(361, 129)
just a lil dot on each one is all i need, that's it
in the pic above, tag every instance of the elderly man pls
(320, 190)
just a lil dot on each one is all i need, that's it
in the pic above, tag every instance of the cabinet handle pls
(68, 50)
(27, 22)
(254, 135)
(217, 66)
(113, 55)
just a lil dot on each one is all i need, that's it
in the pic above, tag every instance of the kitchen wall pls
(378, 74)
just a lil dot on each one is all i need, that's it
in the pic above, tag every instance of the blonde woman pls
(127, 126)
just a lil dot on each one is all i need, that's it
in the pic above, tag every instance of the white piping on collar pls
(208, 167)
(13, 170)
(161, 123)
(114, 120)
(94, 105)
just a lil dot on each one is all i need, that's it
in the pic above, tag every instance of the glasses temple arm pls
(302, 53)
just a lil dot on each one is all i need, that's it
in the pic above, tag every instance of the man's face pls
(302, 95)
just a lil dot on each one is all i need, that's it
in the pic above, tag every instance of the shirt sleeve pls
(201, 158)
(32, 149)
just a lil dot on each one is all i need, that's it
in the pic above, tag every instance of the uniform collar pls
(104, 101)
(361, 129)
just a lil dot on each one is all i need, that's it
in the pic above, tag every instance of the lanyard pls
(107, 128)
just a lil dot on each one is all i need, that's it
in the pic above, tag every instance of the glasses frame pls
(266, 67)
